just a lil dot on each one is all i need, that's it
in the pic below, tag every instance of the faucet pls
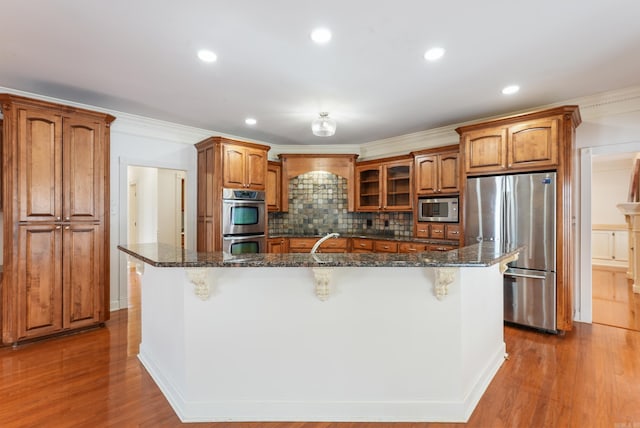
(321, 240)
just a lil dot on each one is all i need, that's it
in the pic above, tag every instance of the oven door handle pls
(241, 237)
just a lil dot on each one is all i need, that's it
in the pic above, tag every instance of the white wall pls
(609, 187)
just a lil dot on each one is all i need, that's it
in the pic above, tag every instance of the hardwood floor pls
(588, 378)
(614, 302)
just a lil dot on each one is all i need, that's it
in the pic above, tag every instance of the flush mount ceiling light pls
(250, 121)
(207, 56)
(511, 89)
(321, 35)
(434, 54)
(323, 125)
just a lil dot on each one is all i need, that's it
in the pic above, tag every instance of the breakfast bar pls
(322, 337)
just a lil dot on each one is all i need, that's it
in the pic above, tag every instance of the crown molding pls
(131, 124)
(592, 107)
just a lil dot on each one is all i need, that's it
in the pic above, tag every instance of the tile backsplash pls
(318, 205)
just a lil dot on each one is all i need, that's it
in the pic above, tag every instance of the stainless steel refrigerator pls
(518, 210)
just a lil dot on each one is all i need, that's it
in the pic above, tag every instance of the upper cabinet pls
(384, 185)
(244, 166)
(274, 186)
(437, 170)
(530, 145)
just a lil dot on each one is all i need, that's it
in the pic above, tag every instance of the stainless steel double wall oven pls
(243, 221)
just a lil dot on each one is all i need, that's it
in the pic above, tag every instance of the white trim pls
(584, 293)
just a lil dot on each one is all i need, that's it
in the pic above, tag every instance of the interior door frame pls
(584, 292)
(120, 261)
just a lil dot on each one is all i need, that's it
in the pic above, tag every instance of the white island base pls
(263, 347)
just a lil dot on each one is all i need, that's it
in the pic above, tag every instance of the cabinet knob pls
(58, 227)
(67, 218)
(57, 218)
(67, 228)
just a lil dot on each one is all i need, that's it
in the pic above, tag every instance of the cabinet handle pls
(67, 218)
(412, 249)
(66, 228)
(57, 218)
(362, 245)
(58, 227)
(422, 230)
(454, 232)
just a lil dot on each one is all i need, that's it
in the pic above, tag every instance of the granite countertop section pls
(380, 237)
(162, 255)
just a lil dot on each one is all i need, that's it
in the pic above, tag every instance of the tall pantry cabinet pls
(56, 223)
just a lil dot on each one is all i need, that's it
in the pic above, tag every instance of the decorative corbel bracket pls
(505, 262)
(198, 276)
(139, 264)
(444, 278)
(322, 278)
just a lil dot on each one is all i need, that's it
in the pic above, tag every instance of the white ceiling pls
(139, 56)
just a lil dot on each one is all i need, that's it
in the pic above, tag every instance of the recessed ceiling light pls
(434, 54)
(321, 35)
(250, 121)
(511, 89)
(207, 56)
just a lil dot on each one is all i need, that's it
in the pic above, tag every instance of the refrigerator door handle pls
(523, 275)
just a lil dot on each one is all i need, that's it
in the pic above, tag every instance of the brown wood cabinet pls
(56, 258)
(411, 247)
(224, 163)
(380, 246)
(530, 145)
(274, 186)
(384, 185)
(278, 245)
(361, 245)
(304, 245)
(445, 231)
(541, 140)
(437, 170)
(244, 166)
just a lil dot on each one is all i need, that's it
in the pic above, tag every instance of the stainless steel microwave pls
(438, 209)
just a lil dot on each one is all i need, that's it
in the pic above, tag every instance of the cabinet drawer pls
(385, 247)
(301, 245)
(441, 247)
(360, 245)
(411, 247)
(437, 231)
(452, 232)
(334, 245)
(422, 230)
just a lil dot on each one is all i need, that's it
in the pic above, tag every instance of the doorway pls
(156, 206)
(613, 300)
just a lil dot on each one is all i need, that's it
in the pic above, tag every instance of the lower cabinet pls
(385, 246)
(60, 284)
(361, 245)
(304, 245)
(412, 247)
(352, 245)
(278, 245)
(448, 231)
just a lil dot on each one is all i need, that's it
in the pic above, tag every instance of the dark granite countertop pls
(162, 255)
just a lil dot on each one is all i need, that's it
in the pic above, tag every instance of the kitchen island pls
(322, 337)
